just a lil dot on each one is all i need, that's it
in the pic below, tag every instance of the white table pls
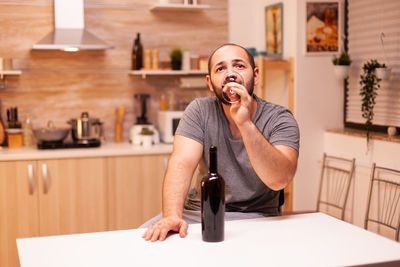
(313, 239)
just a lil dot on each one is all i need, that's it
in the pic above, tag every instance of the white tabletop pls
(312, 239)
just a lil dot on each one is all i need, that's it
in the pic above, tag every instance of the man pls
(257, 145)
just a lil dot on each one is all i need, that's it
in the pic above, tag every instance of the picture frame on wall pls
(322, 27)
(274, 29)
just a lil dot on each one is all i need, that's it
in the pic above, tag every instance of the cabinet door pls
(72, 196)
(19, 216)
(135, 184)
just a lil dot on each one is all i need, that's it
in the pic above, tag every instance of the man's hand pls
(161, 228)
(240, 111)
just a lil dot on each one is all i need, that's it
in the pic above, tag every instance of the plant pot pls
(147, 140)
(383, 73)
(176, 65)
(341, 71)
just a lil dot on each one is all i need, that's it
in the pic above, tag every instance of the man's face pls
(233, 60)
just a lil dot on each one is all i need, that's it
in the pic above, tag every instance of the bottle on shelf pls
(27, 134)
(137, 54)
(213, 202)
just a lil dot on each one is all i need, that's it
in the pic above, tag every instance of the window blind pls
(367, 20)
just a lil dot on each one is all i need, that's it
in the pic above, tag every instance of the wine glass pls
(230, 96)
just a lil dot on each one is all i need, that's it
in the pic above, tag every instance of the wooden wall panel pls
(59, 85)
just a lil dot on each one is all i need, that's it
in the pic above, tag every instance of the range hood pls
(69, 33)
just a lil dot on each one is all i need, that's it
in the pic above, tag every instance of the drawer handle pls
(31, 177)
(45, 178)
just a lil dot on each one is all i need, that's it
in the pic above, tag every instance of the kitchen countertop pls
(313, 239)
(106, 149)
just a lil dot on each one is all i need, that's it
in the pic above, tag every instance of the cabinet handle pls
(31, 177)
(45, 178)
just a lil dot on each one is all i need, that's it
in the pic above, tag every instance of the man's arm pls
(275, 165)
(185, 157)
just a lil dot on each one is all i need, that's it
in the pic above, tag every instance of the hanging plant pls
(369, 85)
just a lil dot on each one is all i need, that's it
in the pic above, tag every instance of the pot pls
(85, 129)
(51, 133)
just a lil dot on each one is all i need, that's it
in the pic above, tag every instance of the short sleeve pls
(191, 124)
(284, 130)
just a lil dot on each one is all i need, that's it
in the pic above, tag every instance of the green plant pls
(369, 85)
(146, 131)
(343, 59)
(176, 55)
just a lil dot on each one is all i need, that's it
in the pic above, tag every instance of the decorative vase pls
(383, 73)
(341, 71)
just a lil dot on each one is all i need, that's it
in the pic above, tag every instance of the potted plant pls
(176, 59)
(146, 137)
(341, 66)
(369, 85)
(383, 72)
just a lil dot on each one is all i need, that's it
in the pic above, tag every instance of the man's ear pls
(256, 75)
(208, 80)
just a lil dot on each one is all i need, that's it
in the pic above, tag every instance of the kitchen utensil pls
(51, 133)
(231, 77)
(14, 138)
(85, 129)
(142, 119)
(119, 114)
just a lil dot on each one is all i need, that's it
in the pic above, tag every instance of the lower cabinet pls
(19, 207)
(68, 196)
(134, 189)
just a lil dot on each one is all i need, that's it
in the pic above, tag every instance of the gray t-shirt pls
(205, 122)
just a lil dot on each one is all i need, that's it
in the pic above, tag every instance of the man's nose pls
(231, 77)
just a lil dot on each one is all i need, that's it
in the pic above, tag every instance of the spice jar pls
(203, 62)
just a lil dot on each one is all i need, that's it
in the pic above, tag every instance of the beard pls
(219, 94)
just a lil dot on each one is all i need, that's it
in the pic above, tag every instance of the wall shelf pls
(9, 72)
(145, 73)
(178, 7)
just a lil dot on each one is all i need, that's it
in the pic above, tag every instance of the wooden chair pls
(336, 176)
(383, 209)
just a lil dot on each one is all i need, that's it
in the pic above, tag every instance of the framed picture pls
(322, 27)
(274, 29)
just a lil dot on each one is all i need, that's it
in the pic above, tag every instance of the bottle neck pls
(213, 160)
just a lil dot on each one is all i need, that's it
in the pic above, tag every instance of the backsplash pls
(58, 86)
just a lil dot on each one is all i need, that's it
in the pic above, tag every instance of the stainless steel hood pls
(69, 33)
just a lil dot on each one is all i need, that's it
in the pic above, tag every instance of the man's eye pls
(240, 66)
(219, 69)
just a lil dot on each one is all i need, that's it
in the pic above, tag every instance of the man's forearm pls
(274, 167)
(175, 187)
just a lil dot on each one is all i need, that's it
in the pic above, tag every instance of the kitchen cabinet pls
(72, 196)
(19, 207)
(50, 197)
(134, 189)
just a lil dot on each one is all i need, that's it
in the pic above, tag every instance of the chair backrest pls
(383, 209)
(336, 176)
